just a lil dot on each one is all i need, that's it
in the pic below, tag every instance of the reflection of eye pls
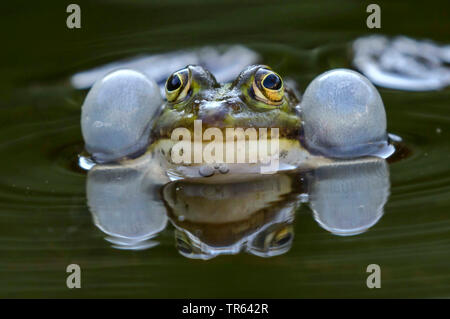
(178, 85)
(268, 87)
(183, 243)
(282, 236)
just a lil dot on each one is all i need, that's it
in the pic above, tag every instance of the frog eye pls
(178, 85)
(268, 87)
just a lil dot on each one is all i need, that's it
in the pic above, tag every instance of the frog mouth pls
(255, 150)
(198, 129)
(192, 152)
(246, 161)
(226, 134)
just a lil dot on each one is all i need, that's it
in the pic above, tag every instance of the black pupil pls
(173, 83)
(272, 82)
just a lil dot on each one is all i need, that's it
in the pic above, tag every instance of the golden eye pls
(178, 85)
(268, 87)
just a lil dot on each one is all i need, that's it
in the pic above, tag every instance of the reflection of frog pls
(226, 218)
(217, 217)
(341, 116)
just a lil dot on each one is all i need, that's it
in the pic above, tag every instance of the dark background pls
(45, 224)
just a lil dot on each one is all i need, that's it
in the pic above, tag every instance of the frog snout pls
(214, 113)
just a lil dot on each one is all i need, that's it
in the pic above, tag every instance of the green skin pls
(231, 105)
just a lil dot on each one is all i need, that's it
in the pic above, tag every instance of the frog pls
(256, 216)
(339, 117)
(332, 144)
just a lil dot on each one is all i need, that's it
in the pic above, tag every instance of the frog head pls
(257, 98)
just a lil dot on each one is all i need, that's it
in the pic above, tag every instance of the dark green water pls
(44, 220)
